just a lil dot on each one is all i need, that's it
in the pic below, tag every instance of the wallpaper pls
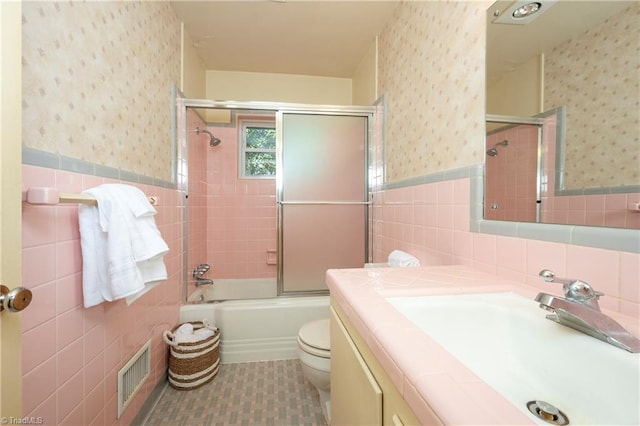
(602, 67)
(431, 69)
(97, 80)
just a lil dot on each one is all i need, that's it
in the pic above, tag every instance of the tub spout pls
(203, 281)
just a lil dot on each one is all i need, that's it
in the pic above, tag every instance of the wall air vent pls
(132, 376)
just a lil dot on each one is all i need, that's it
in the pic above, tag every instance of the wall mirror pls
(563, 113)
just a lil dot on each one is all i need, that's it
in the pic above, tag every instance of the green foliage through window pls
(258, 149)
(260, 164)
(260, 137)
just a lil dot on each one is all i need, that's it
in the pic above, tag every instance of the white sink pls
(506, 340)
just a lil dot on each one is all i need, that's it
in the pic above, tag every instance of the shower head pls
(213, 141)
(493, 151)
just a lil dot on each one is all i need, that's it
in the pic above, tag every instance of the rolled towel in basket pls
(187, 333)
(401, 259)
(185, 329)
(198, 335)
(204, 333)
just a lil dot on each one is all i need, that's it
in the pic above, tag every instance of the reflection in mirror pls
(579, 61)
(512, 171)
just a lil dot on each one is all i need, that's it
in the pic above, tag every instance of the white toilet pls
(314, 351)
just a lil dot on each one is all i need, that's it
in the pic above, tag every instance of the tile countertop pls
(418, 366)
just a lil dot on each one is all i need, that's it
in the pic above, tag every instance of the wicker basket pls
(193, 364)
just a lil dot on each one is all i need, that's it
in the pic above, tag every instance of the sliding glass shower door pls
(322, 201)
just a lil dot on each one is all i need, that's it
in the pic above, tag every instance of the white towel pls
(122, 248)
(186, 328)
(93, 242)
(195, 337)
(402, 259)
(186, 334)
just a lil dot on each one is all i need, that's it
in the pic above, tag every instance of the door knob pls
(14, 300)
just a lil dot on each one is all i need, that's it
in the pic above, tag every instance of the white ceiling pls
(323, 38)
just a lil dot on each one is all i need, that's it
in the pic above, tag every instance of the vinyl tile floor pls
(252, 394)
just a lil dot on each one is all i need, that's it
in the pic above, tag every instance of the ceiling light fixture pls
(522, 12)
(526, 10)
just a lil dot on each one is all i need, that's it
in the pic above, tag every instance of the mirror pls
(563, 92)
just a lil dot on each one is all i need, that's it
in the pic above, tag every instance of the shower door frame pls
(181, 168)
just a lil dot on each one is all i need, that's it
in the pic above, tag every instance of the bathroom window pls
(257, 149)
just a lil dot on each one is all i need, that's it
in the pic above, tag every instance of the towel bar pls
(51, 196)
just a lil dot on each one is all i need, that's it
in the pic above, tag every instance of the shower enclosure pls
(318, 197)
(513, 168)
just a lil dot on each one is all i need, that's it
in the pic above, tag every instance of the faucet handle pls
(576, 290)
(580, 290)
(200, 270)
(550, 276)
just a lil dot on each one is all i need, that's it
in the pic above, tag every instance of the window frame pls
(242, 145)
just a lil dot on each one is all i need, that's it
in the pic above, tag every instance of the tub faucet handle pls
(200, 270)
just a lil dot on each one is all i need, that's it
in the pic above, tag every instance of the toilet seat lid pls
(316, 334)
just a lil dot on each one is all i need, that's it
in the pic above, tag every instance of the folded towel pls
(122, 248)
(93, 242)
(153, 270)
(402, 259)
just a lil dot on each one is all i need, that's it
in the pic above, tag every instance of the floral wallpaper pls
(431, 69)
(97, 81)
(602, 67)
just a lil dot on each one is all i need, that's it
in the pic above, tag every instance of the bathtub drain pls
(547, 412)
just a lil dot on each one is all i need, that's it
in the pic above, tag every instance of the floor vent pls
(132, 376)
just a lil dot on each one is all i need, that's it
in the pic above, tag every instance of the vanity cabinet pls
(356, 398)
(371, 398)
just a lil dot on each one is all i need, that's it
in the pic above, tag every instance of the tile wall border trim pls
(36, 157)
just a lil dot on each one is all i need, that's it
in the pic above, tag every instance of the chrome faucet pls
(198, 273)
(579, 310)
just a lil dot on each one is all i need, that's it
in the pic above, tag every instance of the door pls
(322, 187)
(10, 206)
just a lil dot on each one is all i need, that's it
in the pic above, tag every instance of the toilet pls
(314, 351)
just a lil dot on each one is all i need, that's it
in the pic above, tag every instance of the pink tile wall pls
(241, 223)
(512, 175)
(71, 355)
(596, 209)
(431, 221)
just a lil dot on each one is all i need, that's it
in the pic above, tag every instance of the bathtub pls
(258, 329)
(234, 289)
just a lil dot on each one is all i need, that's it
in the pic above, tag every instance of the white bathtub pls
(234, 289)
(259, 329)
